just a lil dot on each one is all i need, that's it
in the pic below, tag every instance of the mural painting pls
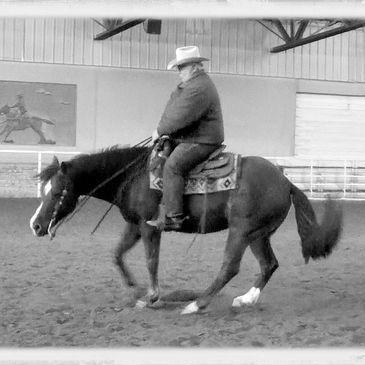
(37, 113)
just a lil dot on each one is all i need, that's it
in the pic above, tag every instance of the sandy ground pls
(67, 292)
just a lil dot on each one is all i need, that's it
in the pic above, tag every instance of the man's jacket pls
(193, 114)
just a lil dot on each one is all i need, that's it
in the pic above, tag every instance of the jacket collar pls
(195, 75)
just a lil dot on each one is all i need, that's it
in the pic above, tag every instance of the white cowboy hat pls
(186, 55)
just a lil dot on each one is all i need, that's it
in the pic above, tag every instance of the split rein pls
(52, 229)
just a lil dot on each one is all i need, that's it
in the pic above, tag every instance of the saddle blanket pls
(206, 180)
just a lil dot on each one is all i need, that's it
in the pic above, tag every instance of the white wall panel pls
(330, 126)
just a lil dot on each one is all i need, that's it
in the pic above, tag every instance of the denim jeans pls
(183, 158)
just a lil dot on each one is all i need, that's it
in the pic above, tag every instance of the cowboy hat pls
(186, 55)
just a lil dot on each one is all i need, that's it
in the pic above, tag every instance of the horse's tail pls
(43, 120)
(47, 121)
(318, 240)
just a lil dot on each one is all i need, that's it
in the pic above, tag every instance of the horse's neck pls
(101, 181)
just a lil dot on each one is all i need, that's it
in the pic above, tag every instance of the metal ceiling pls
(290, 31)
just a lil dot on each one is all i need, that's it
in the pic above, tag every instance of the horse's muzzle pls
(38, 230)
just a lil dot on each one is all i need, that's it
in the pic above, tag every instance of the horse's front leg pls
(7, 130)
(129, 238)
(151, 238)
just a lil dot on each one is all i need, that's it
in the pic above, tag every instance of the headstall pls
(57, 207)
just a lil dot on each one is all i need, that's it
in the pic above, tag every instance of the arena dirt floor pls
(67, 292)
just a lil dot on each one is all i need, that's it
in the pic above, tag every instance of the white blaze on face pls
(35, 215)
(47, 189)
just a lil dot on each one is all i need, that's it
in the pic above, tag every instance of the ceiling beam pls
(316, 37)
(301, 29)
(120, 28)
(282, 30)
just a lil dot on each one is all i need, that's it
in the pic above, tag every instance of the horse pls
(15, 122)
(252, 213)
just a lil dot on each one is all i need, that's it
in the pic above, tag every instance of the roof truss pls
(115, 26)
(292, 31)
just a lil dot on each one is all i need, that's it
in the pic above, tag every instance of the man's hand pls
(155, 136)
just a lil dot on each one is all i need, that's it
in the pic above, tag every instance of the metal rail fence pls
(39, 159)
(318, 178)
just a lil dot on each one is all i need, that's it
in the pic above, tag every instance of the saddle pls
(218, 172)
(218, 164)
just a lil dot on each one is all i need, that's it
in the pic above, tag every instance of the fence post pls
(344, 179)
(311, 179)
(39, 169)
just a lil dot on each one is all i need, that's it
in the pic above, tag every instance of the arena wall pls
(122, 84)
(123, 106)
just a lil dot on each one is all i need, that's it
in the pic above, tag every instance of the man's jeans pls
(183, 158)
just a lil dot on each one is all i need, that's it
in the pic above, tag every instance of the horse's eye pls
(57, 194)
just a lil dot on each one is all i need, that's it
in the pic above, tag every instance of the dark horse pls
(252, 213)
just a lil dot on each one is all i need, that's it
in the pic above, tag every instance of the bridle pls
(55, 212)
(87, 197)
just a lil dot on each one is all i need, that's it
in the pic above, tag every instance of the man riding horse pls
(193, 120)
(22, 114)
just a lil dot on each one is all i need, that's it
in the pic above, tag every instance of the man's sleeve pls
(191, 104)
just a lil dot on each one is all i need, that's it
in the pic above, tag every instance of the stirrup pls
(174, 223)
(168, 223)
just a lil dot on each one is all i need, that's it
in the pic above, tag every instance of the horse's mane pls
(105, 158)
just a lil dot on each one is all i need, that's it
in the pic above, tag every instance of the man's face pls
(185, 72)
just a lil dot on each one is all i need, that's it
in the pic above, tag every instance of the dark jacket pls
(193, 114)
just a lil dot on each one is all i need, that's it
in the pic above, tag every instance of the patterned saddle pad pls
(217, 173)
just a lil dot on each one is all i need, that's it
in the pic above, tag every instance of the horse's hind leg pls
(268, 264)
(37, 128)
(130, 237)
(236, 245)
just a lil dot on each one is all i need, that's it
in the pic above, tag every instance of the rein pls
(88, 195)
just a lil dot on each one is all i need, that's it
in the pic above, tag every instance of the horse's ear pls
(55, 161)
(65, 166)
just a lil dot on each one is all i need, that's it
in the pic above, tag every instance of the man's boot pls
(164, 223)
(159, 221)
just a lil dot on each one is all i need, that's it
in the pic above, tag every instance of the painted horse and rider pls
(20, 113)
(193, 121)
(18, 119)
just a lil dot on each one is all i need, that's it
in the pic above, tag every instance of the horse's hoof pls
(191, 308)
(140, 304)
(237, 303)
(248, 299)
(158, 304)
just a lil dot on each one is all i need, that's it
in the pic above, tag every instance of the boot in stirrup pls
(158, 222)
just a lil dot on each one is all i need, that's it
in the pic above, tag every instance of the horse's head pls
(5, 109)
(58, 198)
